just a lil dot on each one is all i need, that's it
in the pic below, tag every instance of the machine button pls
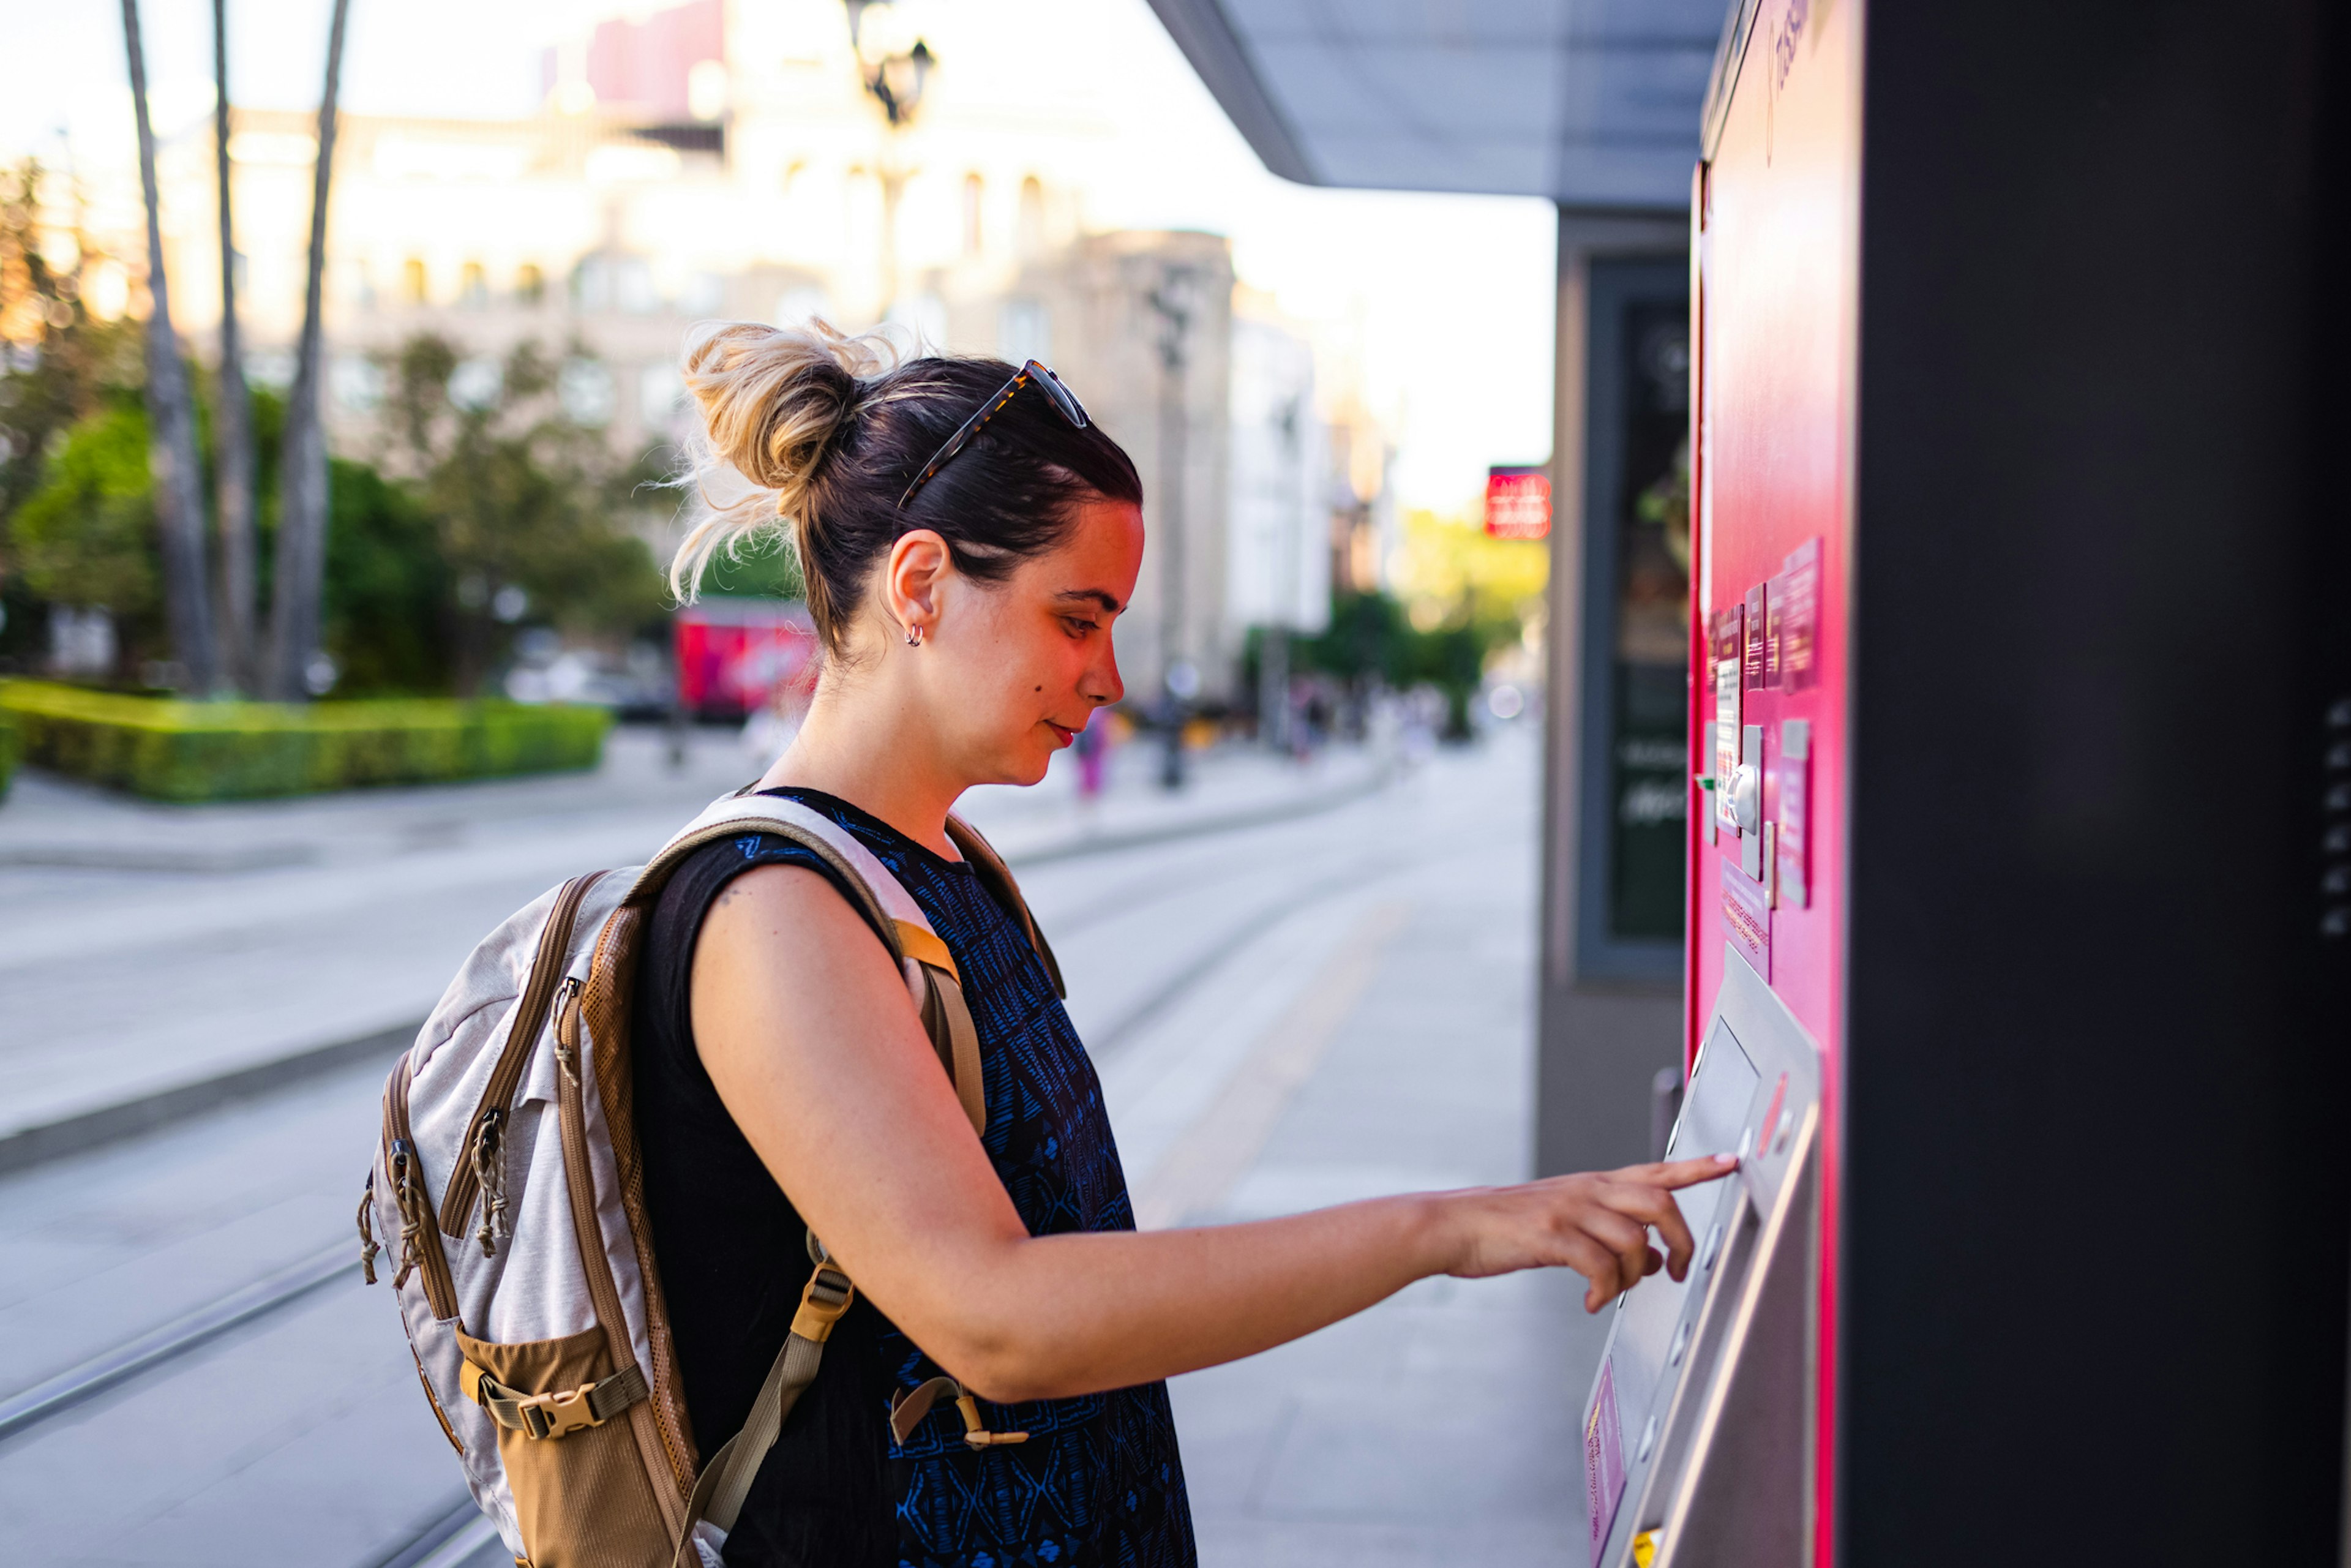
(1747, 797)
(1680, 1347)
(1648, 1439)
(1713, 1245)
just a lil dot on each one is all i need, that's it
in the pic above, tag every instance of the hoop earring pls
(914, 635)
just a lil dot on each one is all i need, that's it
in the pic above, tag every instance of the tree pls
(62, 363)
(179, 507)
(86, 536)
(232, 414)
(526, 506)
(301, 553)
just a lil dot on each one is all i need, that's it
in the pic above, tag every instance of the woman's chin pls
(1022, 769)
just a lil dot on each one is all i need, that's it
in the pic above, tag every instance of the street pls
(1286, 1013)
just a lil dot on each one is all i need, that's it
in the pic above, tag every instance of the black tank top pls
(1100, 1481)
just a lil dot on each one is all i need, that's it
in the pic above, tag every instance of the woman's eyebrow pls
(1109, 603)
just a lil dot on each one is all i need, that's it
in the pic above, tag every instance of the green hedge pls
(8, 752)
(170, 750)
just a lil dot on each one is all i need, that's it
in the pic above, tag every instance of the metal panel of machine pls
(1694, 1448)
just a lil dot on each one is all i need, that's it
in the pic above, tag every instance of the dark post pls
(1172, 300)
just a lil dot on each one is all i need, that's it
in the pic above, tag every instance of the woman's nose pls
(1105, 688)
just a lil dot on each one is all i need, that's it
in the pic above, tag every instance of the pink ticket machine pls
(2017, 962)
(1705, 1434)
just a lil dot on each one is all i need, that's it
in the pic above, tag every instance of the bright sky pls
(1451, 296)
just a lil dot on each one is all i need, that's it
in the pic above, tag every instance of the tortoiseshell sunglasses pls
(1032, 371)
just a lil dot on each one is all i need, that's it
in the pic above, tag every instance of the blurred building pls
(718, 160)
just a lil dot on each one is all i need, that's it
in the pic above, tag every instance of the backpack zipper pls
(588, 1231)
(418, 1246)
(482, 1171)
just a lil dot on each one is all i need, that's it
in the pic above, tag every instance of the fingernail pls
(1726, 1159)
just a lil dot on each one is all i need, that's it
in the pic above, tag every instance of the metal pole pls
(1273, 658)
(1171, 300)
(1273, 687)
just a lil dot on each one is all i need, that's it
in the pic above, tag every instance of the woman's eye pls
(1078, 626)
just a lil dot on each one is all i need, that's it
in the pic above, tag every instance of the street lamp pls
(895, 78)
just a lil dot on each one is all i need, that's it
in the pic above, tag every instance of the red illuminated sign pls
(1518, 503)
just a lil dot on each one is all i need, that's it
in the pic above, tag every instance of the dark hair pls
(828, 430)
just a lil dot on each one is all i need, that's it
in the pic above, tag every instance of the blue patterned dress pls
(1099, 1481)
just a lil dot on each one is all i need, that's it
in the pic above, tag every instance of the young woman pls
(967, 540)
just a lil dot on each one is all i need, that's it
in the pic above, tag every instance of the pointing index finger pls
(1674, 1175)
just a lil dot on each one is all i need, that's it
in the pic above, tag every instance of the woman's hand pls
(1596, 1223)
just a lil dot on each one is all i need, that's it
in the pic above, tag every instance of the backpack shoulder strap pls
(932, 977)
(998, 876)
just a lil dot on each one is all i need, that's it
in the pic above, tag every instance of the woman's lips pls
(1059, 734)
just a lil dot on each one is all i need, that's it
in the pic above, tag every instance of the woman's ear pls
(918, 565)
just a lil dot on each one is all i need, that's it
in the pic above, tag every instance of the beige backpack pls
(509, 1191)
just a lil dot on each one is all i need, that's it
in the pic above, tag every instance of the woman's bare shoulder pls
(783, 921)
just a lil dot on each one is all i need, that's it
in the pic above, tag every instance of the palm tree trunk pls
(172, 420)
(232, 416)
(299, 585)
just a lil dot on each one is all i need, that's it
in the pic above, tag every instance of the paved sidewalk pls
(1379, 1041)
(152, 958)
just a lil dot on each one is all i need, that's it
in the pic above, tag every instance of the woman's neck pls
(876, 753)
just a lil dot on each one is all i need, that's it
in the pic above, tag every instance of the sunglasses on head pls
(1032, 373)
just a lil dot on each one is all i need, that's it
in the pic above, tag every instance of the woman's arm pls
(806, 1031)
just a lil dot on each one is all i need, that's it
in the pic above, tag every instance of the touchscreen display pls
(1714, 1110)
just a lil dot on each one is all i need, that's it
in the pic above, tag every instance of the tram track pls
(190, 1331)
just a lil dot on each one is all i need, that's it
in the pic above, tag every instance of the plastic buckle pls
(824, 1300)
(562, 1413)
(975, 1430)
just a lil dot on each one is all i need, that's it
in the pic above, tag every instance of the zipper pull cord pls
(406, 1197)
(567, 1028)
(368, 1249)
(490, 1173)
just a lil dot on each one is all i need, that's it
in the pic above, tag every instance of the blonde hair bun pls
(774, 402)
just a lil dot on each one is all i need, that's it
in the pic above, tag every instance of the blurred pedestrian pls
(966, 539)
(1092, 747)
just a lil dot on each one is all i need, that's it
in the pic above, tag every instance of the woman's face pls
(1021, 664)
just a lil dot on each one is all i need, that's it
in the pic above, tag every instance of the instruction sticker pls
(1751, 651)
(1793, 771)
(1726, 740)
(1604, 1461)
(1747, 920)
(1795, 616)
